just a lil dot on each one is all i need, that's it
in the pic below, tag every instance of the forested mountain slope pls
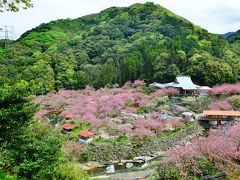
(226, 35)
(143, 41)
(234, 40)
(233, 36)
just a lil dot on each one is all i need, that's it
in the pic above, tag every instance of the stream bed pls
(118, 169)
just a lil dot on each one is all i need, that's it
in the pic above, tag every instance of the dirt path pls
(126, 175)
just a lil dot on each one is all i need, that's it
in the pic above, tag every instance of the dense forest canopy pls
(234, 42)
(143, 41)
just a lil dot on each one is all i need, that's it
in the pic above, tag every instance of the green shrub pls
(157, 102)
(70, 171)
(141, 110)
(206, 166)
(197, 104)
(129, 103)
(168, 172)
(171, 171)
(2, 175)
(122, 140)
(146, 90)
(235, 101)
(86, 156)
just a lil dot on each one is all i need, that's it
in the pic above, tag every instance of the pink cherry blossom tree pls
(142, 132)
(185, 158)
(125, 129)
(221, 147)
(220, 105)
(166, 92)
(228, 89)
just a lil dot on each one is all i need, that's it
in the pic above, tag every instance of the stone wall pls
(106, 153)
(156, 145)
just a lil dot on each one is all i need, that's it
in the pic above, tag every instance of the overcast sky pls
(217, 16)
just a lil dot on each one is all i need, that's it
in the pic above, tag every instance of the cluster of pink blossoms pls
(97, 107)
(221, 147)
(225, 89)
(220, 105)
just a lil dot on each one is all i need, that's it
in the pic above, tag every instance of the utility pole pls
(7, 33)
(6, 37)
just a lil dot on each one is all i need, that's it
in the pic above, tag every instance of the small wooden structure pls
(69, 116)
(67, 128)
(219, 116)
(85, 137)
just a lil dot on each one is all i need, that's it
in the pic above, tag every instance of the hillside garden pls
(135, 121)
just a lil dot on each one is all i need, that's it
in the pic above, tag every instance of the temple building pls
(183, 83)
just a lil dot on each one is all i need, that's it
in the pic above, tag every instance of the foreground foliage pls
(14, 5)
(28, 149)
(70, 171)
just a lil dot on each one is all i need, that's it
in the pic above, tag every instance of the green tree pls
(38, 153)
(70, 171)
(14, 5)
(40, 76)
(16, 112)
(131, 66)
(65, 65)
(82, 79)
(28, 149)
